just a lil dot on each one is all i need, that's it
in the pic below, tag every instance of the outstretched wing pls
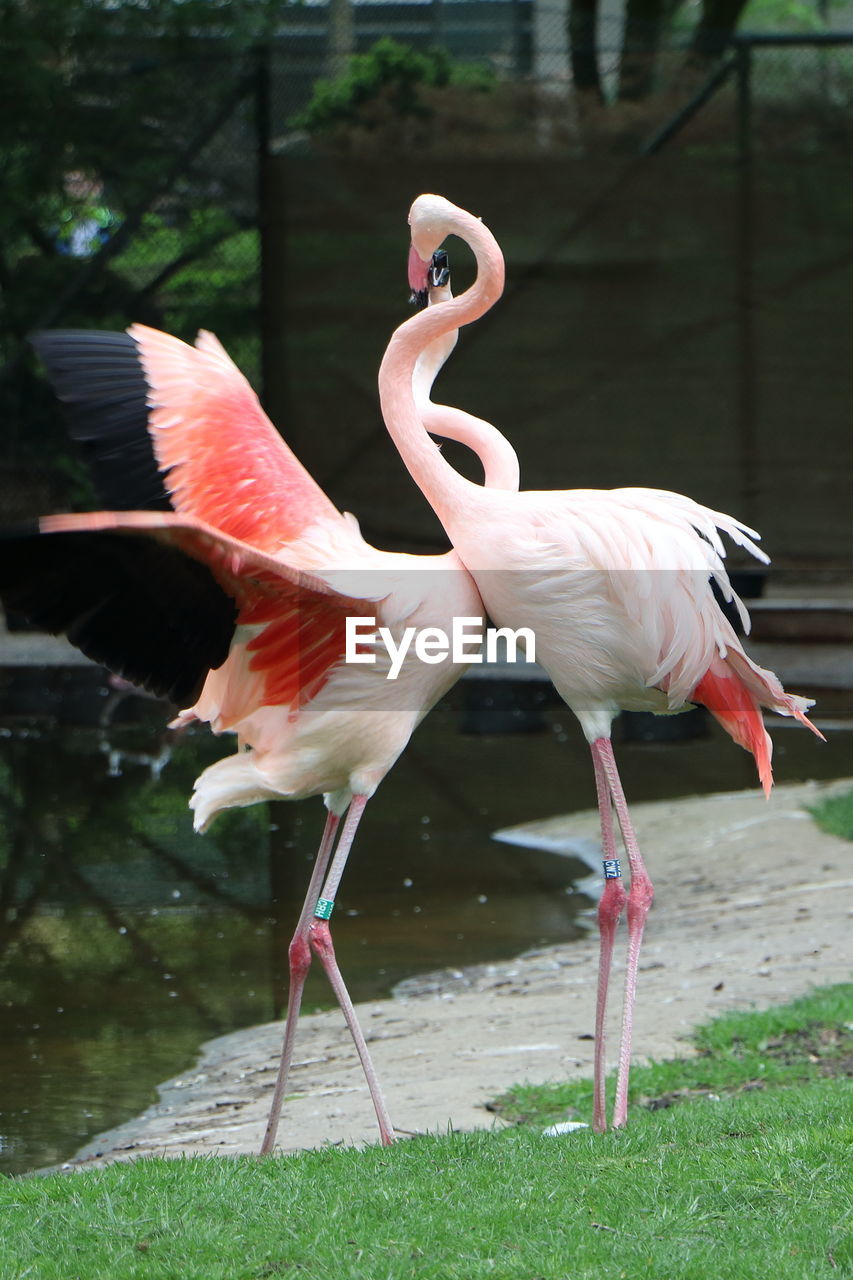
(156, 597)
(176, 429)
(164, 425)
(99, 381)
(224, 460)
(140, 607)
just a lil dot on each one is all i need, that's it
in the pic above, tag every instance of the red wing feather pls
(224, 461)
(297, 659)
(305, 619)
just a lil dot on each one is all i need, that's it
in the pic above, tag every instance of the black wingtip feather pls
(142, 608)
(98, 378)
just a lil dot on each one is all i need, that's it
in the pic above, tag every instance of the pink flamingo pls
(616, 585)
(252, 539)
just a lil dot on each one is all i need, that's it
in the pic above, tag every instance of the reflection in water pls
(126, 940)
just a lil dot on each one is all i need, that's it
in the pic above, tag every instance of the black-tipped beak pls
(439, 269)
(438, 275)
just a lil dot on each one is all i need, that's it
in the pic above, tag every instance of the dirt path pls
(753, 906)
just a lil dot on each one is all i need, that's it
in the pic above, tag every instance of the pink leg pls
(321, 944)
(300, 962)
(610, 908)
(640, 897)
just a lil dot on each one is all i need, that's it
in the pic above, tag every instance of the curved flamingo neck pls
(497, 456)
(495, 453)
(445, 489)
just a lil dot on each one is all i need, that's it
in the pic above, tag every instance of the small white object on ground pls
(565, 1126)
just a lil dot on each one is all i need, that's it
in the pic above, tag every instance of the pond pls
(126, 940)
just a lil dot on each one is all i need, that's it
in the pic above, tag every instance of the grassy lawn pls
(835, 815)
(807, 1040)
(749, 1178)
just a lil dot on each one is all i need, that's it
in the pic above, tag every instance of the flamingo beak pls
(418, 278)
(439, 270)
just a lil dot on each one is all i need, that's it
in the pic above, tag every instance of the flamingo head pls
(431, 219)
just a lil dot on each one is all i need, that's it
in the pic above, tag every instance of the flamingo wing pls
(651, 557)
(224, 461)
(140, 607)
(100, 384)
(164, 425)
(663, 555)
(157, 597)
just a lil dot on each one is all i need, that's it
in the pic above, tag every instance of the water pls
(126, 940)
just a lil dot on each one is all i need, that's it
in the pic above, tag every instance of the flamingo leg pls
(640, 895)
(299, 956)
(320, 939)
(610, 908)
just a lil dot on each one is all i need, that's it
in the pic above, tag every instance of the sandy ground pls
(753, 906)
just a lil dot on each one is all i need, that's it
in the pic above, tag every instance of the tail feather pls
(739, 713)
(734, 689)
(231, 783)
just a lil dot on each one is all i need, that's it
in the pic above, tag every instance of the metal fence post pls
(437, 22)
(263, 129)
(747, 438)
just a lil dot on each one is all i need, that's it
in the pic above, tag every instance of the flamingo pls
(242, 586)
(616, 586)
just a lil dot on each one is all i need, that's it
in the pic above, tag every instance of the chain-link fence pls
(674, 313)
(155, 220)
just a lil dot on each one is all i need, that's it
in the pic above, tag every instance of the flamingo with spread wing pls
(231, 593)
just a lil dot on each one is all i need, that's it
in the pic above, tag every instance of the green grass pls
(835, 815)
(752, 1185)
(804, 1041)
